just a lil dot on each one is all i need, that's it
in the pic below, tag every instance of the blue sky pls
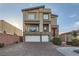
(68, 19)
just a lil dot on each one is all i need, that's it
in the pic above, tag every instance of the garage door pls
(32, 38)
(45, 38)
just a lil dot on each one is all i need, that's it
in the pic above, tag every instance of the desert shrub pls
(16, 42)
(1, 45)
(57, 41)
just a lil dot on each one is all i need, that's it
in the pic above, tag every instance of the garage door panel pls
(32, 38)
(45, 38)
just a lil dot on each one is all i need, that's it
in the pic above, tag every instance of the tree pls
(75, 41)
(74, 34)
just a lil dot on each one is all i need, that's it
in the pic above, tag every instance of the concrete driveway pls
(30, 49)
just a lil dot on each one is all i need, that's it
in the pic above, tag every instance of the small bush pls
(16, 42)
(75, 42)
(50, 40)
(1, 45)
(57, 41)
(21, 39)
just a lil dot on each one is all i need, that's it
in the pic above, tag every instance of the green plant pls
(75, 42)
(74, 34)
(57, 41)
(50, 40)
(1, 45)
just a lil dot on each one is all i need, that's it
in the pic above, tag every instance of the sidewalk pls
(68, 51)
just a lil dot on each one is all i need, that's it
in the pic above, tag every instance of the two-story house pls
(39, 24)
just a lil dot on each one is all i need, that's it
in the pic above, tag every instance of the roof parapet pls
(43, 6)
(53, 15)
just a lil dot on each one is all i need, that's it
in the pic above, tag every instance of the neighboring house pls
(39, 24)
(67, 37)
(7, 28)
(9, 34)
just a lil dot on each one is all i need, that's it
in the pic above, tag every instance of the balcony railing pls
(31, 21)
(55, 26)
(36, 33)
(46, 21)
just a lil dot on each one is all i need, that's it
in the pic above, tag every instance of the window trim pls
(44, 14)
(33, 26)
(34, 15)
(47, 28)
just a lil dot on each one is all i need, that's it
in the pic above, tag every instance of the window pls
(46, 28)
(45, 16)
(31, 16)
(33, 29)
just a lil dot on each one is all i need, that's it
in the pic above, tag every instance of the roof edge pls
(37, 7)
(54, 15)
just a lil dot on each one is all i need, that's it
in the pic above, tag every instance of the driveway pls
(30, 49)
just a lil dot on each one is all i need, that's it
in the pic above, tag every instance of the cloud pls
(73, 15)
(69, 28)
(76, 26)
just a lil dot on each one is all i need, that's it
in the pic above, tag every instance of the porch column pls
(49, 27)
(41, 22)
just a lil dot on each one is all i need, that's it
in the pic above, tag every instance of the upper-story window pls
(45, 28)
(33, 29)
(32, 16)
(46, 16)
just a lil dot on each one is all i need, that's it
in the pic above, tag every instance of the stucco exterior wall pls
(54, 21)
(9, 29)
(0, 27)
(51, 22)
(8, 39)
(39, 16)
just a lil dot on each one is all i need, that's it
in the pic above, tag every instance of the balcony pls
(31, 21)
(36, 33)
(54, 26)
(46, 22)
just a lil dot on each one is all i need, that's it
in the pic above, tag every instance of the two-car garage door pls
(32, 38)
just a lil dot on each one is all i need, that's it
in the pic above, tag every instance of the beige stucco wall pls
(41, 22)
(0, 27)
(10, 29)
(53, 21)
(39, 16)
(67, 37)
(37, 11)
